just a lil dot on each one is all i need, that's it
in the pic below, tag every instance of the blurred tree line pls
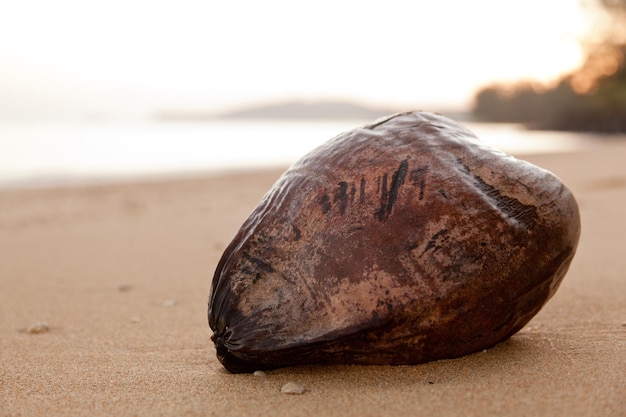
(592, 98)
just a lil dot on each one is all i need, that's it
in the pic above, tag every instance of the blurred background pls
(117, 89)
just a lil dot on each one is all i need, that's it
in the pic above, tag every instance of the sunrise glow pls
(140, 56)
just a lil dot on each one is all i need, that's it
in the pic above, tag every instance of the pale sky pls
(81, 57)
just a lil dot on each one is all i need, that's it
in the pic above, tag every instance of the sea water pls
(43, 154)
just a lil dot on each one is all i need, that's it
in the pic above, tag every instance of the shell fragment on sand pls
(293, 388)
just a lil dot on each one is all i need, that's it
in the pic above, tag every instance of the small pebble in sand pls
(293, 388)
(260, 374)
(135, 319)
(169, 303)
(37, 327)
(124, 287)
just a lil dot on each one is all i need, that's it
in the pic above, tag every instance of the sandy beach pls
(120, 275)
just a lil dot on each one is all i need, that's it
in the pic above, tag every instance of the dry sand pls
(120, 275)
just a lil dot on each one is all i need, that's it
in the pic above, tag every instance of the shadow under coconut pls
(519, 354)
(523, 354)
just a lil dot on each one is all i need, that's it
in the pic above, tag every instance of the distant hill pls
(309, 110)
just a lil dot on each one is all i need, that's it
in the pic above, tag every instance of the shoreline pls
(206, 149)
(85, 181)
(120, 275)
